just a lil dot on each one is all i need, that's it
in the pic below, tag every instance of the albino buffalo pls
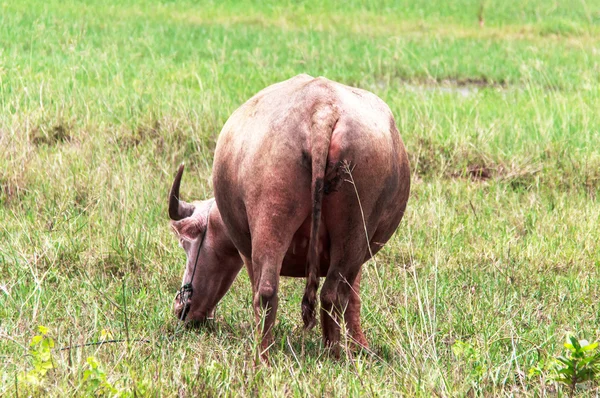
(310, 178)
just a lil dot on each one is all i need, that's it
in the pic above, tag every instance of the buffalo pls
(311, 179)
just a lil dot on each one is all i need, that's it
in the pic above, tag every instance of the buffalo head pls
(212, 261)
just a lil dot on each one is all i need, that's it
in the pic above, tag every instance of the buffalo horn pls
(178, 209)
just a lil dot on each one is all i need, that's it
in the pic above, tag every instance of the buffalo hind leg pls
(337, 299)
(352, 316)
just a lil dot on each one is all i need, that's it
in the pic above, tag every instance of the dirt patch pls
(54, 135)
(145, 132)
(479, 172)
(463, 91)
(480, 82)
(464, 87)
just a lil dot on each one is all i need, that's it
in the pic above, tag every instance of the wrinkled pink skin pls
(265, 167)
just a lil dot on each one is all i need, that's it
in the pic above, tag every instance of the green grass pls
(101, 100)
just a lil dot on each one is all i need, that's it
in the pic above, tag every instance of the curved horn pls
(178, 209)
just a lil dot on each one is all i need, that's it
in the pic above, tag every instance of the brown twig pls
(69, 347)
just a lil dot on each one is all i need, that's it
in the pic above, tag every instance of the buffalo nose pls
(180, 309)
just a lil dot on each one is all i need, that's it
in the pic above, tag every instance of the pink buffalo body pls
(310, 179)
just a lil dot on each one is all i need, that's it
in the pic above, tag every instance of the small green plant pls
(95, 379)
(542, 368)
(476, 366)
(40, 349)
(581, 363)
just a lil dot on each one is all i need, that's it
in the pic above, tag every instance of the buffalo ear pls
(190, 228)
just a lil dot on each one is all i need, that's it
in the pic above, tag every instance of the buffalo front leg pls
(265, 308)
(265, 272)
(277, 214)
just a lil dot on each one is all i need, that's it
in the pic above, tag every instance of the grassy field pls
(496, 261)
